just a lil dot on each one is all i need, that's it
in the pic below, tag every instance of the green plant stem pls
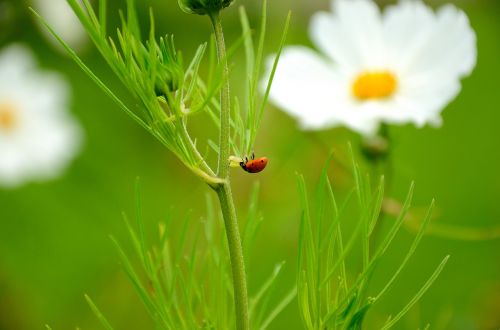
(224, 189)
(236, 255)
(381, 164)
(225, 113)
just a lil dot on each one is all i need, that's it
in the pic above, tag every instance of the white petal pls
(365, 126)
(12, 164)
(423, 99)
(304, 86)
(63, 20)
(16, 61)
(405, 25)
(61, 140)
(435, 43)
(428, 52)
(49, 93)
(45, 137)
(351, 35)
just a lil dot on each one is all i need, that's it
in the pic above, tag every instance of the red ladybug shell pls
(255, 165)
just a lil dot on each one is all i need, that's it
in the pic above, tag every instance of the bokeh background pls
(54, 236)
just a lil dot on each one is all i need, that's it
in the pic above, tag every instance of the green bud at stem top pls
(203, 7)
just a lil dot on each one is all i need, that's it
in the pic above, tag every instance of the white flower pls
(400, 66)
(63, 20)
(38, 136)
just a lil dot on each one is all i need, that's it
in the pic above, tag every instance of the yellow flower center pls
(374, 85)
(7, 116)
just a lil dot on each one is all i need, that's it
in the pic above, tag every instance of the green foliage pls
(246, 116)
(328, 299)
(167, 91)
(247, 121)
(154, 74)
(184, 279)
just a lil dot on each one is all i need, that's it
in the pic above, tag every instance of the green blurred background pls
(54, 236)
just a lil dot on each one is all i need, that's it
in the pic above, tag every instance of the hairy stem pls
(236, 255)
(224, 189)
(225, 113)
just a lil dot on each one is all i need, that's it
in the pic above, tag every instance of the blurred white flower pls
(62, 19)
(400, 66)
(38, 136)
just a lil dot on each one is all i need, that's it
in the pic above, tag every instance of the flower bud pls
(169, 72)
(203, 7)
(167, 79)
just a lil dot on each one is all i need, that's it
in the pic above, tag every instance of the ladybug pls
(254, 165)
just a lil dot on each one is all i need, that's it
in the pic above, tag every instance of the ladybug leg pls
(253, 155)
(246, 159)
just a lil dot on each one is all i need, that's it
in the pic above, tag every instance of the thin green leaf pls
(397, 224)
(131, 273)
(377, 206)
(91, 75)
(102, 17)
(253, 222)
(248, 43)
(341, 258)
(140, 226)
(274, 67)
(411, 251)
(97, 312)
(260, 47)
(419, 295)
(266, 286)
(279, 308)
